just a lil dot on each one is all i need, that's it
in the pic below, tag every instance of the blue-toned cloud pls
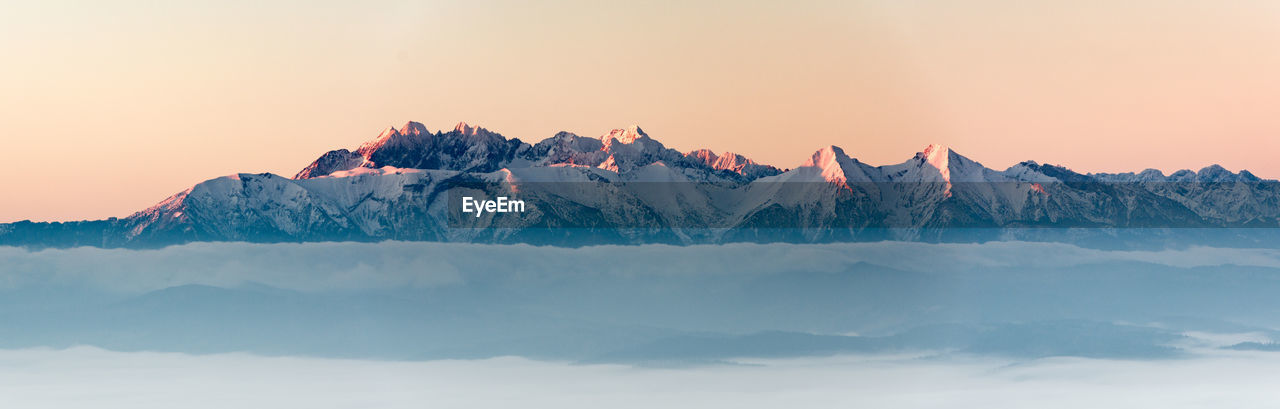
(355, 266)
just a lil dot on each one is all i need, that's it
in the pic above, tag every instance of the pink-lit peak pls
(625, 136)
(467, 129)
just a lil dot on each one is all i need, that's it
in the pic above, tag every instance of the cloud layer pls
(83, 376)
(80, 376)
(355, 266)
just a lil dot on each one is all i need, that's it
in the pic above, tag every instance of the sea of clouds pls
(87, 376)
(357, 266)
(90, 377)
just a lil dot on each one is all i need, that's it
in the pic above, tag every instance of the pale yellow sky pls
(107, 107)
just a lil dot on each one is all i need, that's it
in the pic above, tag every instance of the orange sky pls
(107, 107)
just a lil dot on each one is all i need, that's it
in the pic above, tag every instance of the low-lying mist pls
(652, 304)
(84, 376)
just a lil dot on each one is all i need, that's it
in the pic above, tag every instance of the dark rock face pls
(475, 149)
(466, 148)
(331, 161)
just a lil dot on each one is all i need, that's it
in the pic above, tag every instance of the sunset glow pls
(109, 107)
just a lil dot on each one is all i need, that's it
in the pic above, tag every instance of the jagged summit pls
(626, 135)
(476, 149)
(944, 164)
(1209, 174)
(834, 166)
(1151, 173)
(413, 146)
(414, 128)
(830, 162)
(406, 134)
(943, 157)
(937, 155)
(731, 162)
(467, 129)
(387, 133)
(723, 161)
(472, 148)
(936, 150)
(827, 157)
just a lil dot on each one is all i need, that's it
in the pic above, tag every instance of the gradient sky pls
(107, 107)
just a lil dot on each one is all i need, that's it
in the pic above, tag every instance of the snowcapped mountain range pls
(477, 150)
(626, 187)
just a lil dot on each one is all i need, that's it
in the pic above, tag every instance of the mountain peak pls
(726, 161)
(1217, 173)
(936, 148)
(938, 155)
(413, 128)
(704, 155)
(946, 160)
(626, 136)
(467, 129)
(392, 136)
(410, 128)
(387, 133)
(834, 165)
